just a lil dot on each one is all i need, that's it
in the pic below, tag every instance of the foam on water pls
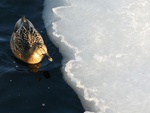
(106, 49)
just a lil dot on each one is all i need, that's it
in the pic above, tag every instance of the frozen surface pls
(106, 49)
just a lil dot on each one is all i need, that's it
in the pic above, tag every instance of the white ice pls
(106, 49)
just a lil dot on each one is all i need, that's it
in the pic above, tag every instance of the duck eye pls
(39, 46)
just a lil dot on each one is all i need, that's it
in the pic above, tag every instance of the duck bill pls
(49, 58)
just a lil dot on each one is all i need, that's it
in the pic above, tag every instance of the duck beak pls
(49, 58)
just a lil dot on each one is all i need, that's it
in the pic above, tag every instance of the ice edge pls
(68, 66)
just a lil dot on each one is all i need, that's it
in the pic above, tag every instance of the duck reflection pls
(34, 68)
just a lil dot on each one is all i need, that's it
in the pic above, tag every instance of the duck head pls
(37, 52)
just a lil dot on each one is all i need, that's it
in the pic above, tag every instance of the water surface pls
(21, 89)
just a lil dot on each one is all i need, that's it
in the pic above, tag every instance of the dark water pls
(22, 90)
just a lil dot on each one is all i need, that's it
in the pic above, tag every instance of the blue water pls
(31, 88)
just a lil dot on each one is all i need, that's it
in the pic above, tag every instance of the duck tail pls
(24, 19)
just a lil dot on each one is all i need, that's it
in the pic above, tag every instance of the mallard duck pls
(27, 44)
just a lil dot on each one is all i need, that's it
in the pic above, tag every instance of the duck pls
(27, 44)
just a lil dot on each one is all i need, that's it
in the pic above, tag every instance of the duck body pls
(27, 44)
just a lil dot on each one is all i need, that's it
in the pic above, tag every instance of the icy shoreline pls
(105, 46)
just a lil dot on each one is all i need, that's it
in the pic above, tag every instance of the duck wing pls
(29, 36)
(25, 36)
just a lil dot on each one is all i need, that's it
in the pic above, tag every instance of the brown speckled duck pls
(27, 44)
